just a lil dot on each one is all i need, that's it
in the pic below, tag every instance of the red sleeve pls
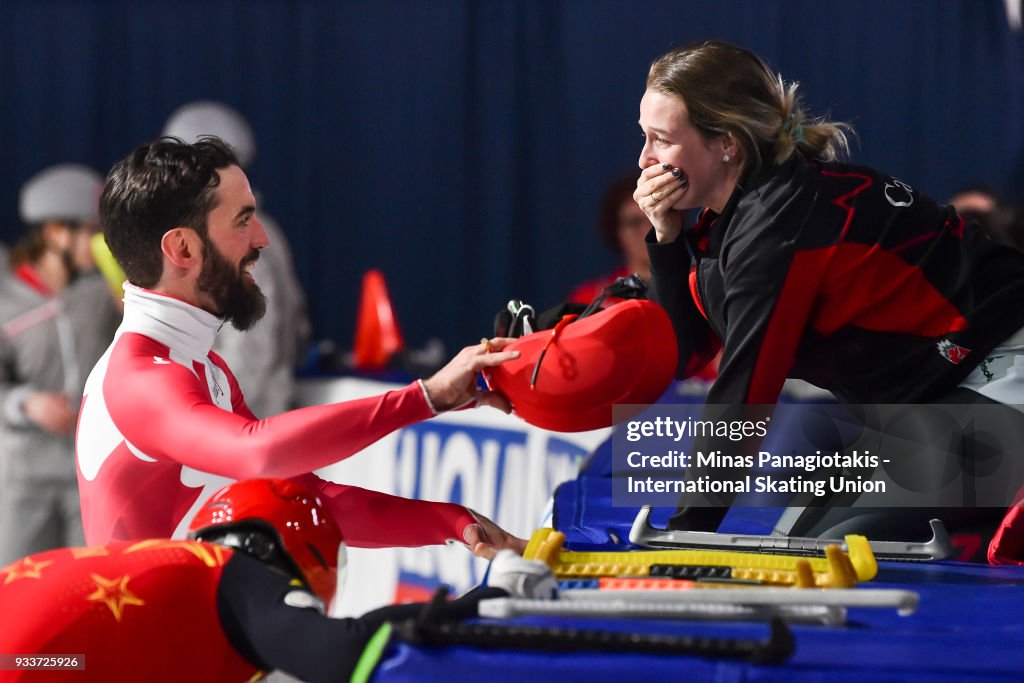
(1007, 546)
(164, 410)
(766, 320)
(370, 519)
(238, 404)
(775, 262)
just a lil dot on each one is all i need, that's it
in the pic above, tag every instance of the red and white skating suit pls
(163, 425)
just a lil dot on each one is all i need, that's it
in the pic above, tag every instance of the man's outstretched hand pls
(486, 538)
(454, 385)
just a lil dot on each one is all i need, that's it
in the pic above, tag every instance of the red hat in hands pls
(567, 379)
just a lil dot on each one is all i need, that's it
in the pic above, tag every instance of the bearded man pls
(164, 423)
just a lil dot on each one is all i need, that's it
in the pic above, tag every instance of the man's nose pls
(260, 240)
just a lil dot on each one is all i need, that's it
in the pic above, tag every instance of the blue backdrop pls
(460, 145)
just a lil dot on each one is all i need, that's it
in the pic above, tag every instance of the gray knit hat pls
(66, 192)
(192, 120)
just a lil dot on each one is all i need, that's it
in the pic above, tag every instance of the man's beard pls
(239, 302)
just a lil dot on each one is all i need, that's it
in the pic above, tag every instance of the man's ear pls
(182, 247)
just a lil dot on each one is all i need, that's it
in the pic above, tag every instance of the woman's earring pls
(726, 158)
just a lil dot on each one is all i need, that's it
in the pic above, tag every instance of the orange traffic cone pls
(377, 334)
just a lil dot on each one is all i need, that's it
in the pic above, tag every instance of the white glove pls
(522, 578)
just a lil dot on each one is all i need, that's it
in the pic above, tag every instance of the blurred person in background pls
(983, 205)
(56, 318)
(974, 200)
(264, 358)
(623, 226)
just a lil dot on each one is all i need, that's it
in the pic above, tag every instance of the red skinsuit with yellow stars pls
(116, 603)
(159, 610)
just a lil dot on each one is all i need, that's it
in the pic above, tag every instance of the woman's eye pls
(660, 141)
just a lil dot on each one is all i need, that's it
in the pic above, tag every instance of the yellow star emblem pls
(26, 568)
(114, 594)
(95, 551)
(203, 552)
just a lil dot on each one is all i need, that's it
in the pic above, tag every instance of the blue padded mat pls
(967, 627)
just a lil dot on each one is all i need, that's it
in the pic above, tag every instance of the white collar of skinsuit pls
(179, 325)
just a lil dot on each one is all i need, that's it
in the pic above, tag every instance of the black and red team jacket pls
(841, 276)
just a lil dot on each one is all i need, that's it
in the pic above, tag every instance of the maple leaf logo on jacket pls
(954, 353)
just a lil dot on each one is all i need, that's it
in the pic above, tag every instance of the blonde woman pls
(802, 265)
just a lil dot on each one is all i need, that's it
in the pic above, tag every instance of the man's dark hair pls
(165, 184)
